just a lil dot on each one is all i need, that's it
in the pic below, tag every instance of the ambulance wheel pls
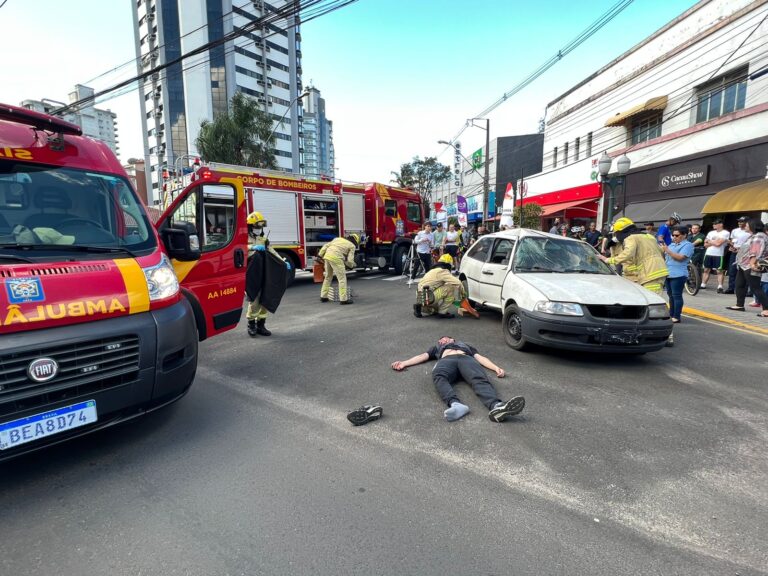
(399, 259)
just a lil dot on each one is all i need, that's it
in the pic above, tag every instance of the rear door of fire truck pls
(211, 269)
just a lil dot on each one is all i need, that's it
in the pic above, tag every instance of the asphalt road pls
(652, 465)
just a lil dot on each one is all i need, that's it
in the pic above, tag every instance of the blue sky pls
(397, 75)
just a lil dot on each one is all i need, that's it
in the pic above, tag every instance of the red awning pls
(576, 194)
(555, 208)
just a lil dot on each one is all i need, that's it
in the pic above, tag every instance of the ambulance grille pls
(84, 368)
(77, 269)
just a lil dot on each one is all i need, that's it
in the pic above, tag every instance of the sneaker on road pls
(365, 414)
(503, 410)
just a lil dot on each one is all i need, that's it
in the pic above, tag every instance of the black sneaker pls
(323, 299)
(720, 290)
(503, 411)
(417, 310)
(365, 414)
(346, 302)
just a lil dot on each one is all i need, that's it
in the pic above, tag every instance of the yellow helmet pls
(354, 238)
(256, 219)
(621, 224)
(446, 259)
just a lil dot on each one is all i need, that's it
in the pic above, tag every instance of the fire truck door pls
(214, 284)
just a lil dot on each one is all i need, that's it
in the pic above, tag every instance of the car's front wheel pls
(512, 325)
(466, 291)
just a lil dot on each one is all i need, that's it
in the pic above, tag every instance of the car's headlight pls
(161, 280)
(559, 308)
(658, 311)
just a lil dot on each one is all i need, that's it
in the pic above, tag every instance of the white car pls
(556, 292)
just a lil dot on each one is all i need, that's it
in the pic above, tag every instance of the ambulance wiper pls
(82, 248)
(14, 257)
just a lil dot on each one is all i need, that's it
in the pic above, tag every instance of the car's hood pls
(591, 289)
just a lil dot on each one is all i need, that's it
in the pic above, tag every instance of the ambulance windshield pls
(49, 208)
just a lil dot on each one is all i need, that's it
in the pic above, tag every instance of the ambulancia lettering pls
(15, 315)
(43, 369)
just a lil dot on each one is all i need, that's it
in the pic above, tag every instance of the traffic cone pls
(465, 305)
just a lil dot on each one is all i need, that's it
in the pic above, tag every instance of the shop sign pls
(684, 177)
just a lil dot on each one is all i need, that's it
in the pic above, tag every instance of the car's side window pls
(502, 251)
(480, 249)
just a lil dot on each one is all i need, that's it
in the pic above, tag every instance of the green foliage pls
(423, 176)
(531, 215)
(238, 136)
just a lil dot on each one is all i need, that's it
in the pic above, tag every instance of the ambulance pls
(102, 309)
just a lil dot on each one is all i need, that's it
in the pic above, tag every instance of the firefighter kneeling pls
(265, 277)
(439, 290)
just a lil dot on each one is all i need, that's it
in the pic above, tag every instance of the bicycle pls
(693, 282)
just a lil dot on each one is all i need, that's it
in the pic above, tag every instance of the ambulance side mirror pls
(181, 241)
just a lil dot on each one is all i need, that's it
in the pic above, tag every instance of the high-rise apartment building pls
(96, 123)
(319, 155)
(262, 61)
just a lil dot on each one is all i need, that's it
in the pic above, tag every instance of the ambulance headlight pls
(161, 280)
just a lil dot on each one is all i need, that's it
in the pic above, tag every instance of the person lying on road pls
(457, 360)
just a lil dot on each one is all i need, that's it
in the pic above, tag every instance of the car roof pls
(526, 232)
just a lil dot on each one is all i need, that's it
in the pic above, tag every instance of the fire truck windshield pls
(45, 207)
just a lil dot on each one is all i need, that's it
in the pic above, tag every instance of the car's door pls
(472, 264)
(214, 284)
(494, 270)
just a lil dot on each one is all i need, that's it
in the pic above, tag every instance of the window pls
(217, 222)
(646, 127)
(589, 144)
(414, 212)
(565, 153)
(554, 158)
(390, 208)
(502, 251)
(576, 146)
(723, 95)
(480, 249)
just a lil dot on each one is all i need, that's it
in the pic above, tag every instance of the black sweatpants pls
(744, 280)
(447, 372)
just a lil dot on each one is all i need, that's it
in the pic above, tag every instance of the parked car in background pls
(555, 291)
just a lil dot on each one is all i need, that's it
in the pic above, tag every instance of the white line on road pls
(372, 277)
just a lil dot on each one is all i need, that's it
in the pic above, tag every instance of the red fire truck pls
(101, 310)
(303, 214)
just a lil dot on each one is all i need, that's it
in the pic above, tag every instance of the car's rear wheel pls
(512, 324)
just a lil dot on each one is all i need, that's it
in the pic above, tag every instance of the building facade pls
(261, 58)
(688, 106)
(319, 157)
(96, 123)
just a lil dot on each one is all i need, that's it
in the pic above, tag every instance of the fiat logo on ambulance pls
(43, 369)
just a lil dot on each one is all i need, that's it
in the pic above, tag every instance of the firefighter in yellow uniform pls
(256, 314)
(338, 255)
(447, 290)
(640, 257)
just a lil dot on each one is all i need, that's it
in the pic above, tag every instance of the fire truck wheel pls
(399, 258)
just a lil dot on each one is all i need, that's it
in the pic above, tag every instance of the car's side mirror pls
(182, 242)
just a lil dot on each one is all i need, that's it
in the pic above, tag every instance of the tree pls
(423, 176)
(242, 135)
(531, 216)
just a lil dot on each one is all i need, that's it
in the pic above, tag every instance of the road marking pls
(372, 277)
(536, 478)
(393, 278)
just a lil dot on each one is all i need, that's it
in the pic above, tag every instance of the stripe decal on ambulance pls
(135, 285)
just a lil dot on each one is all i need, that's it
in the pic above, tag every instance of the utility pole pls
(486, 186)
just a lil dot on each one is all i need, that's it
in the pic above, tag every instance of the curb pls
(723, 320)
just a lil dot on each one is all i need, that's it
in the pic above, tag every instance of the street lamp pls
(604, 167)
(458, 151)
(288, 109)
(486, 184)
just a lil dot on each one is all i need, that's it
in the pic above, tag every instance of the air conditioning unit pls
(268, 48)
(155, 76)
(269, 67)
(270, 104)
(269, 84)
(151, 16)
(158, 113)
(152, 37)
(261, 82)
(262, 101)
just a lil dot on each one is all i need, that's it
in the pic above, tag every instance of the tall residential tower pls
(318, 137)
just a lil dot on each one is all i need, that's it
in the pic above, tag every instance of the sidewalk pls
(709, 305)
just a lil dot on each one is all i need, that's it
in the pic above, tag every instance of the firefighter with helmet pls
(639, 255)
(256, 313)
(338, 255)
(439, 291)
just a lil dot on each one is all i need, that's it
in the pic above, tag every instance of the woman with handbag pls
(749, 258)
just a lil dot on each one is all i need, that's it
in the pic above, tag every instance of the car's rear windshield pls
(45, 208)
(545, 254)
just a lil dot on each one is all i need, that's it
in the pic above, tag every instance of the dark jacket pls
(266, 279)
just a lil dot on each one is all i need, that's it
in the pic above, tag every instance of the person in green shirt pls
(439, 235)
(696, 237)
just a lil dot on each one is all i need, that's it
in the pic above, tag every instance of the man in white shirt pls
(738, 237)
(425, 242)
(714, 256)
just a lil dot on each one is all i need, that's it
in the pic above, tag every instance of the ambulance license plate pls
(33, 428)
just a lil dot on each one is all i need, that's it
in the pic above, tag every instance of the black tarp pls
(266, 279)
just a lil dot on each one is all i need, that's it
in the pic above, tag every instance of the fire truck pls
(102, 309)
(304, 214)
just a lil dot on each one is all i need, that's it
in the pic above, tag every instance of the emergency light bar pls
(38, 120)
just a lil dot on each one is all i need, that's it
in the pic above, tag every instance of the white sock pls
(456, 411)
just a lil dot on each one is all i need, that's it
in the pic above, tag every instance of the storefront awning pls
(657, 103)
(588, 205)
(749, 197)
(689, 208)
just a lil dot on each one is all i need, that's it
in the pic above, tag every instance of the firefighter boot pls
(261, 329)
(252, 331)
